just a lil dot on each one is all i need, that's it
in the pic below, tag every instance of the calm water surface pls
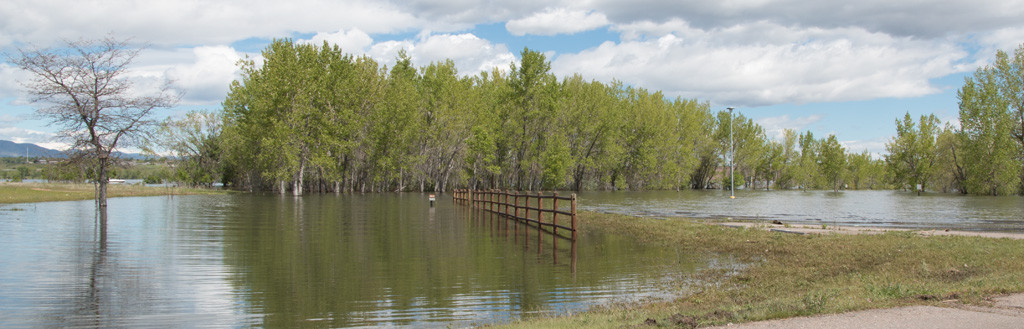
(324, 261)
(864, 208)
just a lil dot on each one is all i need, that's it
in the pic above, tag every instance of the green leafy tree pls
(948, 173)
(590, 122)
(990, 153)
(859, 169)
(532, 98)
(449, 113)
(691, 117)
(1009, 69)
(194, 141)
(912, 152)
(807, 169)
(832, 161)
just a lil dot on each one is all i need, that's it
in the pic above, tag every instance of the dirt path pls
(1003, 312)
(809, 229)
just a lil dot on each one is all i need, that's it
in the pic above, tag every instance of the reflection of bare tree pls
(93, 300)
(109, 287)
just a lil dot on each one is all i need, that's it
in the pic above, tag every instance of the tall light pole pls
(732, 160)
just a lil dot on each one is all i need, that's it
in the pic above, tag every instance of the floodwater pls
(323, 261)
(846, 208)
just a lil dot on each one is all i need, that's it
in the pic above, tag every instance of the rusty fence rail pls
(519, 206)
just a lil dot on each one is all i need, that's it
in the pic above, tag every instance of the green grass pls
(794, 275)
(35, 192)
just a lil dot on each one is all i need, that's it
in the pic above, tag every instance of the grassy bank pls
(37, 192)
(794, 275)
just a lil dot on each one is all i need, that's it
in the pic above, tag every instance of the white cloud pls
(775, 127)
(10, 82)
(470, 53)
(178, 22)
(1006, 39)
(22, 135)
(875, 147)
(206, 79)
(789, 65)
(457, 15)
(554, 21)
(918, 19)
(353, 41)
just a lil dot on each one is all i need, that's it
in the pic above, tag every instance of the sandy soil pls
(809, 229)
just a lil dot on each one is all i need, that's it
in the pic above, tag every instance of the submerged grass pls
(43, 192)
(795, 275)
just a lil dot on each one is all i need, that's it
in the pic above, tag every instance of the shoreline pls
(804, 229)
(800, 272)
(15, 193)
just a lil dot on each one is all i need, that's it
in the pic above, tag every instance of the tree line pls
(984, 153)
(311, 118)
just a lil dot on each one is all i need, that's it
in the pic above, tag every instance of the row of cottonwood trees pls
(984, 153)
(310, 118)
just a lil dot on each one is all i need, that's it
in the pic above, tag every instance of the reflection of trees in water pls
(107, 291)
(110, 276)
(385, 259)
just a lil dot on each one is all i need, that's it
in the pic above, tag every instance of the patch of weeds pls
(815, 302)
(680, 320)
(12, 209)
(894, 290)
(952, 275)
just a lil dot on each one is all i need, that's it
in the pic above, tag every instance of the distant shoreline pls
(48, 192)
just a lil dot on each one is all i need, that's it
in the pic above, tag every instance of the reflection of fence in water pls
(518, 206)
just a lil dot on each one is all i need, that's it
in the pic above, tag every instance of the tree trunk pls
(297, 185)
(101, 194)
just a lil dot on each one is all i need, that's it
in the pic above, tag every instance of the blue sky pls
(828, 66)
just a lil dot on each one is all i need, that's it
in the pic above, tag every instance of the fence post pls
(540, 213)
(573, 210)
(516, 197)
(554, 214)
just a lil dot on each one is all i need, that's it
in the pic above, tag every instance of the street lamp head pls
(730, 109)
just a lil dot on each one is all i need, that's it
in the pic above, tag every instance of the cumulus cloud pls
(208, 22)
(875, 147)
(202, 74)
(921, 19)
(554, 21)
(351, 41)
(1005, 39)
(455, 15)
(788, 65)
(10, 78)
(470, 53)
(22, 135)
(207, 77)
(775, 127)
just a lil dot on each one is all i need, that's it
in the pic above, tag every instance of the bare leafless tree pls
(83, 88)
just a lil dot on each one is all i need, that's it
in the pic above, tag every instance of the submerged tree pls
(990, 154)
(83, 88)
(912, 152)
(195, 141)
(832, 162)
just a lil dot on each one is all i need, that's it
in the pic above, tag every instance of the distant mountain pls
(12, 149)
